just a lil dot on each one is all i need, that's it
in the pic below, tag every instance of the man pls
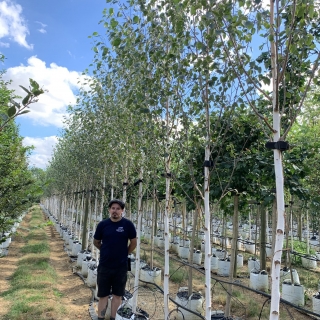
(111, 238)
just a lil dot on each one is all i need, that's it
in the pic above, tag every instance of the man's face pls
(115, 212)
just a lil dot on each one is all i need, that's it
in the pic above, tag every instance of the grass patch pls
(237, 294)
(20, 310)
(309, 279)
(178, 276)
(253, 309)
(57, 293)
(220, 299)
(36, 261)
(36, 248)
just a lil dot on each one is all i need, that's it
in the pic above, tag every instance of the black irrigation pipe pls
(302, 310)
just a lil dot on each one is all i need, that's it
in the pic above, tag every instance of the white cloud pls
(4, 44)
(12, 24)
(43, 150)
(62, 86)
(43, 26)
(70, 54)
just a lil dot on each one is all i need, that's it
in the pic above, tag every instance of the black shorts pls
(111, 280)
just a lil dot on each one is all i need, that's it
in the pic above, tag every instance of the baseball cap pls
(119, 202)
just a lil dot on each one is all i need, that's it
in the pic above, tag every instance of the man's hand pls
(132, 245)
(97, 243)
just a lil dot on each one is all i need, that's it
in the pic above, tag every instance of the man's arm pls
(132, 245)
(97, 243)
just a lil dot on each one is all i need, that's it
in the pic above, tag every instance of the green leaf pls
(95, 49)
(104, 52)
(16, 104)
(116, 42)
(24, 111)
(11, 111)
(111, 11)
(311, 11)
(136, 19)
(114, 23)
(25, 89)
(144, 110)
(95, 34)
(180, 26)
(199, 45)
(34, 84)
(37, 92)
(26, 99)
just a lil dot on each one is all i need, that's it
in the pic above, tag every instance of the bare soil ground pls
(76, 296)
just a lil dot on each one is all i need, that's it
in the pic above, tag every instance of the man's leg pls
(115, 304)
(102, 307)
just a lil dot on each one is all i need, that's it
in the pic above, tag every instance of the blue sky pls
(48, 42)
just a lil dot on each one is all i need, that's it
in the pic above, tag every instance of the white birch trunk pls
(308, 240)
(72, 211)
(233, 259)
(62, 211)
(125, 182)
(291, 217)
(274, 227)
(166, 220)
(278, 167)
(137, 270)
(103, 189)
(112, 181)
(94, 223)
(89, 220)
(81, 217)
(250, 214)
(153, 217)
(207, 249)
(276, 262)
(166, 245)
(77, 216)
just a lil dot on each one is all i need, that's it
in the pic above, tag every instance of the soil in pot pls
(183, 295)
(148, 268)
(125, 312)
(127, 295)
(141, 315)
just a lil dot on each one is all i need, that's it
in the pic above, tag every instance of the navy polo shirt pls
(114, 237)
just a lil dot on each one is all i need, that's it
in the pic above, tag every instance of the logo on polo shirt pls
(120, 229)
